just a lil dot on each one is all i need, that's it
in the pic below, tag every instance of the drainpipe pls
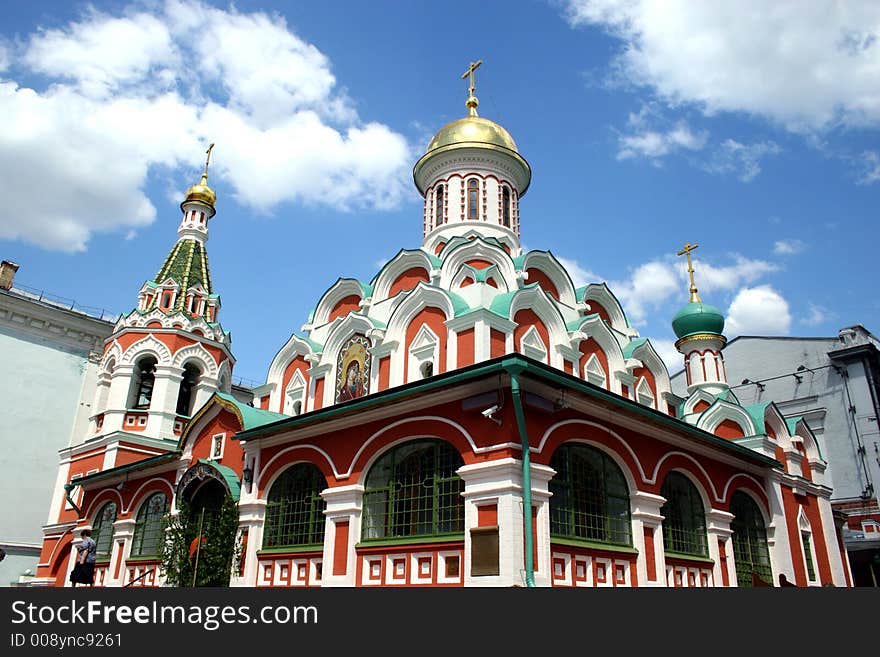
(527, 474)
(67, 489)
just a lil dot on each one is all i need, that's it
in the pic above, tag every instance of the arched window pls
(143, 382)
(413, 490)
(295, 508)
(749, 540)
(684, 524)
(473, 198)
(146, 541)
(505, 206)
(589, 497)
(186, 395)
(102, 529)
(438, 206)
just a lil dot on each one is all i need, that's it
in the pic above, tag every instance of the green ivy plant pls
(209, 562)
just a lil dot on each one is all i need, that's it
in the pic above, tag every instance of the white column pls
(835, 558)
(778, 542)
(160, 423)
(645, 514)
(718, 529)
(123, 530)
(344, 504)
(252, 516)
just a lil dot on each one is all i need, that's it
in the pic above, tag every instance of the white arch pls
(113, 353)
(144, 485)
(341, 330)
(195, 352)
(265, 468)
(421, 297)
(631, 482)
(224, 377)
(476, 249)
(758, 502)
(268, 485)
(722, 410)
(593, 327)
(147, 345)
(92, 510)
(707, 501)
(404, 260)
(543, 305)
(811, 446)
(295, 346)
(646, 353)
(699, 395)
(562, 423)
(547, 263)
(601, 294)
(343, 287)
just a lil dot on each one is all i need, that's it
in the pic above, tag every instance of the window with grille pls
(590, 499)
(143, 382)
(808, 553)
(102, 529)
(505, 206)
(749, 541)
(473, 196)
(438, 208)
(684, 524)
(148, 526)
(413, 491)
(295, 508)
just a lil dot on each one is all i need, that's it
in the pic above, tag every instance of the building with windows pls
(466, 418)
(49, 352)
(832, 383)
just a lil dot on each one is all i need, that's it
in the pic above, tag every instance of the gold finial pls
(472, 101)
(207, 162)
(695, 298)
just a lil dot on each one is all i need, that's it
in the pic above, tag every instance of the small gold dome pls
(201, 193)
(472, 130)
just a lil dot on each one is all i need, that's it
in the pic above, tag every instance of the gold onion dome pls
(200, 192)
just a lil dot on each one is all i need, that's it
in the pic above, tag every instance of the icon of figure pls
(354, 383)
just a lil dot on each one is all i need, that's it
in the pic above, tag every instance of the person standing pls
(87, 553)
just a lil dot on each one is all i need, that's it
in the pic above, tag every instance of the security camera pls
(489, 412)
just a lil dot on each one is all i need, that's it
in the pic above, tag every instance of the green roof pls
(228, 475)
(251, 417)
(632, 346)
(459, 305)
(757, 412)
(698, 317)
(186, 265)
(575, 324)
(501, 304)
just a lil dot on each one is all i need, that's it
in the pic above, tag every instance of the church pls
(468, 417)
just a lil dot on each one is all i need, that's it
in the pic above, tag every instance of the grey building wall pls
(45, 369)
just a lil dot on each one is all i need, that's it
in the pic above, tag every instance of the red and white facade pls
(443, 347)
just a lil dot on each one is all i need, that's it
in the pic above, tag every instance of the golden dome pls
(472, 130)
(201, 193)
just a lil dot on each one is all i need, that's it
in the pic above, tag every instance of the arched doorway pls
(202, 543)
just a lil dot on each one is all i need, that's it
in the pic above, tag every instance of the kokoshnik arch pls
(468, 417)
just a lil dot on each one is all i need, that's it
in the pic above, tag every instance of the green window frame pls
(750, 551)
(413, 490)
(589, 497)
(146, 541)
(684, 524)
(808, 553)
(102, 529)
(295, 508)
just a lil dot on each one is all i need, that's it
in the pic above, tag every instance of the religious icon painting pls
(353, 369)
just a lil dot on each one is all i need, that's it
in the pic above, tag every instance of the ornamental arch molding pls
(721, 411)
(546, 262)
(198, 354)
(405, 260)
(147, 345)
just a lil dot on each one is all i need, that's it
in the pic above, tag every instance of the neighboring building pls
(466, 418)
(833, 383)
(49, 355)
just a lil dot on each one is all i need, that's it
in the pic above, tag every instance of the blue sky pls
(750, 130)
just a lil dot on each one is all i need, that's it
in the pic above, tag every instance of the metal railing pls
(63, 302)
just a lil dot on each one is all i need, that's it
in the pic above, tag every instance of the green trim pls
(411, 540)
(499, 365)
(576, 324)
(228, 475)
(312, 547)
(593, 545)
(137, 465)
(632, 346)
(688, 557)
(251, 417)
(144, 557)
(529, 541)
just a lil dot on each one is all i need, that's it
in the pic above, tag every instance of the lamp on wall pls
(247, 475)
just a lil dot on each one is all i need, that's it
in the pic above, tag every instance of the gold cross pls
(470, 72)
(208, 160)
(688, 247)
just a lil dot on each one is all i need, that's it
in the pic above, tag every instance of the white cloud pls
(744, 160)
(649, 287)
(579, 275)
(807, 65)
(656, 144)
(711, 278)
(789, 247)
(148, 89)
(817, 315)
(870, 166)
(758, 310)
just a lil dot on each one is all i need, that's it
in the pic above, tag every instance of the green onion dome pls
(698, 318)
